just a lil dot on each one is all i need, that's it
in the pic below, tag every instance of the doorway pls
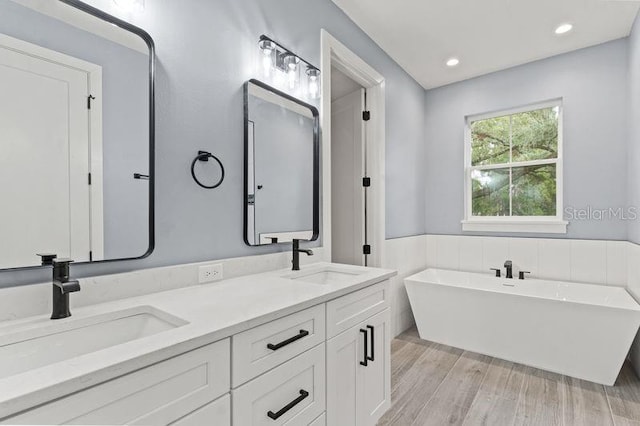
(348, 168)
(353, 123)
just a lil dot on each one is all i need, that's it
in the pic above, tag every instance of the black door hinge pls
(366, 182)
(89, 99)
(366, 249)
(366, 115)
(89, 179)
(90, 256)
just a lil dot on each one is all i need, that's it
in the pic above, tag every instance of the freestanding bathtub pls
(580, 330)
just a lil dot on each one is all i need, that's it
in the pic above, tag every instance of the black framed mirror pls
(77, 133)
(282, 167)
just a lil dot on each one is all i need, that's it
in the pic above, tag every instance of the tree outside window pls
(513, 168)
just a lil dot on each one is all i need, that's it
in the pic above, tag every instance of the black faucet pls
(296, 254)
(509, 265)
(62, 286)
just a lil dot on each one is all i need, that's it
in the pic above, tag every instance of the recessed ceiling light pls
(564, 28)
(453, 62)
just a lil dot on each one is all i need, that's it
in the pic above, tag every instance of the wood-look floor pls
(432, 384)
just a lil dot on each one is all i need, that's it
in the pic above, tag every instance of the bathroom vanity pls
(280, 347)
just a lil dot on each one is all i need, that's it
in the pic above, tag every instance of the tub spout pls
(509, 265)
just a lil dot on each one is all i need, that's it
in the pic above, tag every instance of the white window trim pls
(526, 224)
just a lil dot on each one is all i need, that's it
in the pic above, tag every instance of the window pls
(514, 170)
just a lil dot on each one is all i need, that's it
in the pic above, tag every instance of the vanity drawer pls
(217, 413)
(269, 345)
(159, 394)
(294, 393)
(352, 309)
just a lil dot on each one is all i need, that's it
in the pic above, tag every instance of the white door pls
(44, 166)
(347, 171)
(375, 394)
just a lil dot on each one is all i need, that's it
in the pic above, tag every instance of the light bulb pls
(314, 83)
(313, 88)
(291, 62)
(292, 78)
(266, 64)
(267, 47)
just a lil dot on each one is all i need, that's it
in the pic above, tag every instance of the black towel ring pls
(204, 156)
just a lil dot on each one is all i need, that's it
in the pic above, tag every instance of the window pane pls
(535, 134)
(490, 141)
(534, 190)
(490, 192)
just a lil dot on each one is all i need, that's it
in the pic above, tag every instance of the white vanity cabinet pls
(358, 359)
(326, 365)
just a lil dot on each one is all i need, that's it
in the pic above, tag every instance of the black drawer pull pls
(366, 344)
(373, 346)
(289, 406)
(303, 333)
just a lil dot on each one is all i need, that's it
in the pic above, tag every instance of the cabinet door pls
(344, 353)
(374, 393)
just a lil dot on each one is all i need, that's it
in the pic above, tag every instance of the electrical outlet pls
(210, 273)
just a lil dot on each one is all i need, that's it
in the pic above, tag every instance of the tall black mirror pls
(76, 134)
(282, 150)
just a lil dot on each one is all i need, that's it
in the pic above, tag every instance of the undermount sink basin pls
(325, 275)
(55, 341)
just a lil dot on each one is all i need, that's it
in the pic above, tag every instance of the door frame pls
(94, 117)
(336, 54)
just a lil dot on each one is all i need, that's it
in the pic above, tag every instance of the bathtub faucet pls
(509, 265)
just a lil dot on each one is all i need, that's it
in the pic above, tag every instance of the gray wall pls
(593, 85)
(125, 120)
(634, 128)
(205, 53)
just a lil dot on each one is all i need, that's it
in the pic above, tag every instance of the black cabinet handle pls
(303, 333)
(373, 346)
(365, 346)
(289, 406)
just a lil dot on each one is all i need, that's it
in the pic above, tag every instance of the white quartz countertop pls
(213, 312)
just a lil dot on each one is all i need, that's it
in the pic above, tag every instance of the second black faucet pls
(296, 254)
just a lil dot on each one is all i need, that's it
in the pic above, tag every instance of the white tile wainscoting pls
(408, 256)
(588, 261)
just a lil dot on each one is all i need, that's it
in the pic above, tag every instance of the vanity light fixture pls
(130, 5)
(452, 62)
(284, 69)
(564, 28)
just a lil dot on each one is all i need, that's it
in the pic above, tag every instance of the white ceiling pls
(486, 35)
